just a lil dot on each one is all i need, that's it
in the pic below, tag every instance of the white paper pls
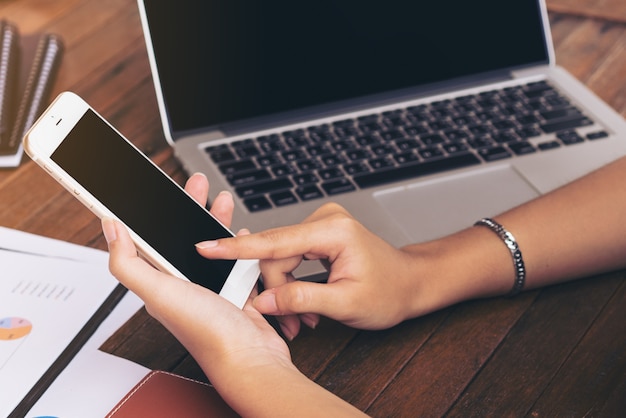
(48, 291)
(94, 382)
(44, 303)
(14, 240)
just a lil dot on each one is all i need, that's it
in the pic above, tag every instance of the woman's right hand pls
(371, 285)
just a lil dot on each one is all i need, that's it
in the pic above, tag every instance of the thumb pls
(301, 297)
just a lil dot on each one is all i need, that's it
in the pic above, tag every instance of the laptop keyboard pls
(346, 155)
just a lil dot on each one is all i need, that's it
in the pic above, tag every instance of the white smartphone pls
(110, 176)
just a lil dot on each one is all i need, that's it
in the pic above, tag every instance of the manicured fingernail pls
(286, 332)
(206, 244)
(108, 229)
(309, 320)
(243, 231)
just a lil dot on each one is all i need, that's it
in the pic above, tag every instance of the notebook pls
(164, 395)
(418, 117)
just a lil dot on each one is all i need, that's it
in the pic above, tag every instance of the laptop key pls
(407, 144)
(454, 148)
(432, 139)
(382, 149)
(256, 204)
(570, 137)
(254, 189)
(356, 168)
(268, 160)
(247, 151)
(342, 185)
(366, 140)
(528, 132)
(305, 178)
(282, 170)
(220, 155)
(380, 163)
(237, 166)
(409, 171)
(430, 153)
(566, 124)
(416, 131)
(494, 153)
(548, 145)
(332, 160)
(330, 173)
(522, 147)
(597, 135)
(246, 177)
(406, 157)
(566, 113)
(316, 150)
(526, 119)
(308, 165)
(309, 192)
(283, 198)
(294, 155)
(271, 146)
(505, 137)
(370, 127)
(358, 154)
(391, 135)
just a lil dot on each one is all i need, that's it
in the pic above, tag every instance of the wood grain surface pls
(560, 351)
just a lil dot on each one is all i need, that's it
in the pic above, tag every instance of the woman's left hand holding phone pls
(239, 351)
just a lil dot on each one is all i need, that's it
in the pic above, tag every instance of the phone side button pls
(81, 199)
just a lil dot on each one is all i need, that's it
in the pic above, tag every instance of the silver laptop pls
(418, 117)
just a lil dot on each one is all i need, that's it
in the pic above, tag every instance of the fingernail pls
(108, 229)
(309, 320)
(266, 302)
(286, 332)
(206, 244)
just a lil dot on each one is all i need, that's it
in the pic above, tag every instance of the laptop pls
(418, 117)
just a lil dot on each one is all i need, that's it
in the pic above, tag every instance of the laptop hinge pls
(531, 71)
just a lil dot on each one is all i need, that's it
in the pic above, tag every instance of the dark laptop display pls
(418, 117)
(246, 59)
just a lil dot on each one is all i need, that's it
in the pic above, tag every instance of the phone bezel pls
(49, 131)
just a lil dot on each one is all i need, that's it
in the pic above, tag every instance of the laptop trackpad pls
(432, 209)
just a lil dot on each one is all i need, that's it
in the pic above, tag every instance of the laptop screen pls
(230, 60)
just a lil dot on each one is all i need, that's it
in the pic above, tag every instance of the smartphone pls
(110, 176)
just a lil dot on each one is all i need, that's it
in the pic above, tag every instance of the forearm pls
(572, 232)
(275, 391)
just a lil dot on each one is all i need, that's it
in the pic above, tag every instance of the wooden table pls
(560, 351)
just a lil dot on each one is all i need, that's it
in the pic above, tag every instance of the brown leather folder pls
(163, 394)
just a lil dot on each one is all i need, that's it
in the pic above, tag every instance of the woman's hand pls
(243, 357)
(371, 285)
(225, 340)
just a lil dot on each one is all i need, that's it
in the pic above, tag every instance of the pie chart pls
(13, 328)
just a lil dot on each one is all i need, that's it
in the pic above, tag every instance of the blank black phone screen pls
(148, 202)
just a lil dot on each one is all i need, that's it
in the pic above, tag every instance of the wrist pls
(470, 264)
(278, 390)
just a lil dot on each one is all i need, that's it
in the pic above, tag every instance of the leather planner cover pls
(163, 394)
